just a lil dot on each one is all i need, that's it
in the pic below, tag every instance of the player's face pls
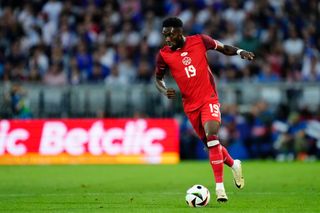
(173, 37)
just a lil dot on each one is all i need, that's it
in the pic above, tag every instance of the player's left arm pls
(212, 44)
(231, 50)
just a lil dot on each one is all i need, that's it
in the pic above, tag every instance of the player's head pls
(172, 32)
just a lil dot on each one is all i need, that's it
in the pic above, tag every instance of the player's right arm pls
(161, 68)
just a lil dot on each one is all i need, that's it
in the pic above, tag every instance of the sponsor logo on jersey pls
(186, 61)
(184, 54)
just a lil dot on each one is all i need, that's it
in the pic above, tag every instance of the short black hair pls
(172, 22)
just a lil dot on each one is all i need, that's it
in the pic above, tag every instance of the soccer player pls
(185, 57)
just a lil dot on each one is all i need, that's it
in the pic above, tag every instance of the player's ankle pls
(220, 186)
(236, 164)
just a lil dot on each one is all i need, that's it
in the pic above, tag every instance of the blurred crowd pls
(260, 133)
(115, 41)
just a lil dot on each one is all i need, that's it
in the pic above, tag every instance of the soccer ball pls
(198, 196)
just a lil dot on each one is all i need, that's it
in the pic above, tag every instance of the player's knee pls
(212, 140)
(211, 128)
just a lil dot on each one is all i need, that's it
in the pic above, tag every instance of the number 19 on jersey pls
(190, 71)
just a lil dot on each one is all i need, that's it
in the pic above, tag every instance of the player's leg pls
(211, 129)
(235, 166)
(211, 118)
(215, 152)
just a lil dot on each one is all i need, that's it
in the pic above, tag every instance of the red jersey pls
(189, 67)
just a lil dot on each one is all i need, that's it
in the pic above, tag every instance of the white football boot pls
(237, 174)
(221, 195)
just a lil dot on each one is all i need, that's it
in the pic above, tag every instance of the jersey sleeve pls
(161, 66)
(209, 42)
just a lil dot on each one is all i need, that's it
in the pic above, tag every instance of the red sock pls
(216, 161)
(226, 157)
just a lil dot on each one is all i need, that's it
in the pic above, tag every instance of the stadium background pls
(95, 59)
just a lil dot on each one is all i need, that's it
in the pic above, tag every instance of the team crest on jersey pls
(186, 61)
(184, 54)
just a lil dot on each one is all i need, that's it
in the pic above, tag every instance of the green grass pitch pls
(270, 187)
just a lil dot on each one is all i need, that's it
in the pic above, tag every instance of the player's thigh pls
(195, 120)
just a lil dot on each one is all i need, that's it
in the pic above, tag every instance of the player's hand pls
(247, 55)
(171, 93)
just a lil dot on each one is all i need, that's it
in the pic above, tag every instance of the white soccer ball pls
(198, 196)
